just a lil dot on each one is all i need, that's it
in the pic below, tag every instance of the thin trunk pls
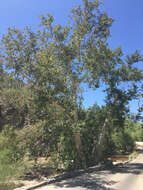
(101, 140)
(102, 134)
(75, 103)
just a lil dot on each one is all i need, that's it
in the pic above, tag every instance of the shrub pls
(123, 141)
(9, 170)
(7, 186)
(11, 165)
(32, 140)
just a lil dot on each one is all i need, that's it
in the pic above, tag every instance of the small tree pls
(115, 73)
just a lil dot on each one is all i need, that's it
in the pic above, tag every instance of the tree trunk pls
(75, 104)
(102, 134)
(101, 140)
(77, 136)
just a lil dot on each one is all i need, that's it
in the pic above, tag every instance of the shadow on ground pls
(86, 181)
(97, 180)
(93, 181)
(131, 168)
(93, 178)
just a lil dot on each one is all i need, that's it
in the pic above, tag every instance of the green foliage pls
(32, 141)
(66, 153)
(15, 102)
(123, 142)
(9, 143)
(11, 163)
(42, 73)
(134, 129)
(93, 118)
(9, 170)
(133, 155)
(15, 106)
(7, 186)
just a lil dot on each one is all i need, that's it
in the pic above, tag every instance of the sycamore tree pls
(56, 60)
(52, 60)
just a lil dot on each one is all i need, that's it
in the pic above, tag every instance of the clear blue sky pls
(127, 29)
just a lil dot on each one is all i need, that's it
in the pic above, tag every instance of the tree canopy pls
(42, 74)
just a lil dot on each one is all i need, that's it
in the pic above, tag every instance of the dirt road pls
(124, 177)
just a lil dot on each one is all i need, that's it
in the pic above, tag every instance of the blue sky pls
(127, 29)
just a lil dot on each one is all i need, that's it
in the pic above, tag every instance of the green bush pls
(11, 165)
(7, 186)
(32, 140)
(134, 129)
(9, 143)
(123, 141)
(9, 171)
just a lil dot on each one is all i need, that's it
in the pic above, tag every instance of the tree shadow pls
(95, 179)
(130, 168)
(86, 181)
(92, 179)
(38, 172)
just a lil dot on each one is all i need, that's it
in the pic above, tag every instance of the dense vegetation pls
(41, 102)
